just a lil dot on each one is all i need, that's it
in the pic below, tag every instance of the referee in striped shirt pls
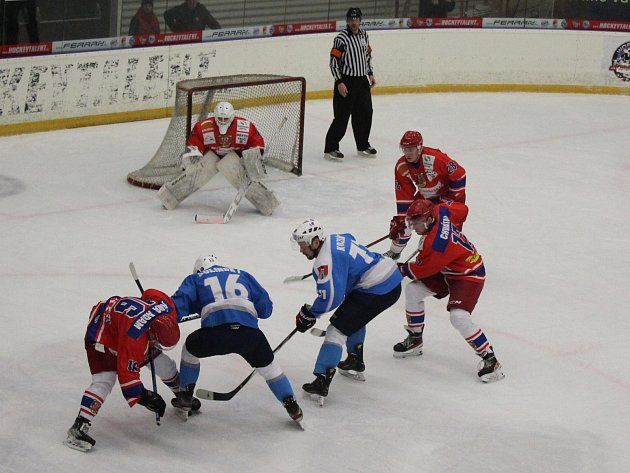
(351, 67)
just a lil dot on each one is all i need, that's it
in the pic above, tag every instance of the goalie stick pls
(216, 396)
(134, 274)
(303, 277)
(242, 190)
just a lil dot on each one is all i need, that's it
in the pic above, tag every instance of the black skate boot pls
(176, 402)
(294, 410)
(489, 369)
(78, 437)
(353, 366)
(318, 389)
(410, 346)
(184, 402)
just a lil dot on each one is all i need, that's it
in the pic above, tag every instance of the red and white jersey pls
(435, 176)
(120, 325)
(242, 134)
(446, 250)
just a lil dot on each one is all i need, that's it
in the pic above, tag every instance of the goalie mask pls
(305, 232)
(223, 116)
(205, 262)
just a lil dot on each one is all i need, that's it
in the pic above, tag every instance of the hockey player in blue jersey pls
(356, 282)
(230, 302)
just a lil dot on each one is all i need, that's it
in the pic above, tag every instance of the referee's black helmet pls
(354, 13)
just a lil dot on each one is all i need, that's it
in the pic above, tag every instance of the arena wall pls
(68, 90)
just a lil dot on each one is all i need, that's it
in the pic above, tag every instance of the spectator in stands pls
(144, 21)
(435, 8)
(190, 16)
(12, 11)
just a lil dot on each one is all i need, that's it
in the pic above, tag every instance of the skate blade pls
(78, 445)
(357, 376)
(492, 377)
(405, 354)
(182, 414)
(319, 400)
(299, 424)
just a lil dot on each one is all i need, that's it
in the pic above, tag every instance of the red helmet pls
(156, 296)
(411, 139)
(165, 331)
(420, 208)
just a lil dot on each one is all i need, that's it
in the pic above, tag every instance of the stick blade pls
(318, 332)
(212, 396)
(220, 219)
(293, 279)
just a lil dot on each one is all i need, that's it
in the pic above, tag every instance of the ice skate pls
(78, 438)
(178, 404)
(368, 152)
(185, 403)
(489, 369)
(353, 366)
(318, 389)
(410, 346)
(294, 410)
(334, 155)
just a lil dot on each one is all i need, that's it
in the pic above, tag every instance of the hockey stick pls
(134, 274)
(215, 396)
(242, 190)
(231, 209)
(303, 277)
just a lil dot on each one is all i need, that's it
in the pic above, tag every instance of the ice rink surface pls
(549, 196)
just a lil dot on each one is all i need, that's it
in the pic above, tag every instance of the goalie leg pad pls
(193, 178)
(254, 166)
(258, 193)
(262, 197)
(232, 169)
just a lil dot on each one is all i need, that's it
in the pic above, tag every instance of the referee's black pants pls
(357, 103)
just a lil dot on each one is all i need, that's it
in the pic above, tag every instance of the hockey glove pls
(305, 318)
(404, 270)
(153, 402)
(190, 156)
(397, 227)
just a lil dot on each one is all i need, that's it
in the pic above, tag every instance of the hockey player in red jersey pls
(120, 333)
(447, 265)
(422, 173)
(228, 144)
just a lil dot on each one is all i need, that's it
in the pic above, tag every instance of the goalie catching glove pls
(397, 227)
(153, 401)
(190, 156)
(305, 318)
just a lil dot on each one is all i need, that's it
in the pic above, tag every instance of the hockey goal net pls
(275, 104)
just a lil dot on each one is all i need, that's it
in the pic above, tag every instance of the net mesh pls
(275, 104)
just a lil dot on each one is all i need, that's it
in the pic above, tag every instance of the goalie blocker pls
(247, 171)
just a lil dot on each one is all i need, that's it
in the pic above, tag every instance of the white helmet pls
(205, 262)
(223, 116)
(306, 231)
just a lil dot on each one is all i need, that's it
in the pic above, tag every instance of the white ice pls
(549, 196)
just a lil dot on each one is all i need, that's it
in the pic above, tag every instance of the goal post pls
(274, 103)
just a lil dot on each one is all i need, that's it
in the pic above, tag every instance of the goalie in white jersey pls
(356, 282)
(228, 144)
